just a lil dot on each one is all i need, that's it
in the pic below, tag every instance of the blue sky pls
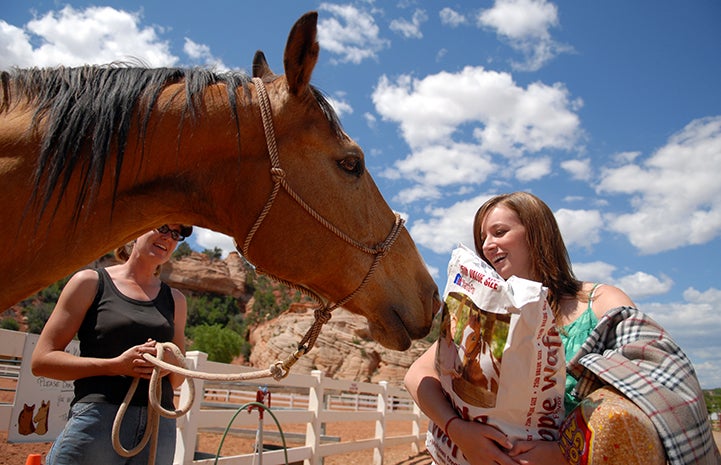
(609, 111)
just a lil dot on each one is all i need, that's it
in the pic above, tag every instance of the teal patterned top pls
(573, 336)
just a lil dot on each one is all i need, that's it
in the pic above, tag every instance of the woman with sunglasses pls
(118, 314)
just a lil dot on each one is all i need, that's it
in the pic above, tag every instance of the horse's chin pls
(396, 328)
(390, 336)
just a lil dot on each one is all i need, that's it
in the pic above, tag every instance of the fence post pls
(187, 425)
(416, 428)
(313, 431)
(381, 422)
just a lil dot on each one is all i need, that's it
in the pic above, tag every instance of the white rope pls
(277, 371)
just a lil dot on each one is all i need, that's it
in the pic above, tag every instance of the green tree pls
(214, 254)
(38, 315)
(221, 344)
(9, 323)
(211, 309)
(51, 293)
(271, 299)
(183, 250)
(713, 400)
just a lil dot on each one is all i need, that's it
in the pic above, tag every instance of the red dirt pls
(16, 454)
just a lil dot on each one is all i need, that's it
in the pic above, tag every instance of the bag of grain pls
(499, 357)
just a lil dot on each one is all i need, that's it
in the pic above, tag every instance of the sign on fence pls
(41, 404)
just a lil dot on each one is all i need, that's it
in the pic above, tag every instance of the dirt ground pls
(16, 454)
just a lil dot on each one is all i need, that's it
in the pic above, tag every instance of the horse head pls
(332, 232)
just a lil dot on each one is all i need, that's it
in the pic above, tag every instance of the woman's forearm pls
(63, 366)
(424, 386)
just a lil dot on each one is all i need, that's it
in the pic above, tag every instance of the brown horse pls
(92, 157)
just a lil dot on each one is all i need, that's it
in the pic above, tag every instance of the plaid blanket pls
(634, 354)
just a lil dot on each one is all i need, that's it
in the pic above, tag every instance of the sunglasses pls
(175, 235)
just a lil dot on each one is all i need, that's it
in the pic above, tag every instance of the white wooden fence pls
(311, 401)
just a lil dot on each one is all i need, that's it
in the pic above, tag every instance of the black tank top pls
(114, 323)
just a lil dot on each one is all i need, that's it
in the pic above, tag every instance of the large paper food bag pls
(499, 358)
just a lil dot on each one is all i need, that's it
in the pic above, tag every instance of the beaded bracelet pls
(448, 423)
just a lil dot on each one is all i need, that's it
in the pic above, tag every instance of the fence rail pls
(219, 396)
(302, 402)
(309, 400)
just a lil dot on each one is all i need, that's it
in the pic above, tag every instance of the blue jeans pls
(86, 438)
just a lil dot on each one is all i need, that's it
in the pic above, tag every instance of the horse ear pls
(261, 69)
(301, 52)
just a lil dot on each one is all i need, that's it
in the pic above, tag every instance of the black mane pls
(87, 111)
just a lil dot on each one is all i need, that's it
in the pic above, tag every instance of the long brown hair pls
(122, 253)
(550, 262)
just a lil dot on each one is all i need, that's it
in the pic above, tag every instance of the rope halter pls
(322, 312)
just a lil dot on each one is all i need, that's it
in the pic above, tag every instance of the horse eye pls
(352, 165)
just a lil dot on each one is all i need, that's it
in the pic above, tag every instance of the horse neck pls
(220, 170)
(167, 177)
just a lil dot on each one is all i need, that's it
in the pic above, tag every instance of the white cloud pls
(525, 25)
(694, 324)
(708, 371)
(15, 48)
(70, 37)
(676, 192)
(201, 53)
(625, 157)
(416, 193)
(440, 165)
(410, 29)
(710, 296)
(490, 111)
(697, 316)
(209, 239)
(340, 104)
(446, 227)
(520, 19)
(452, 18)
(640, 285)
(579, 228)
(507, 118)
(350, 33)
(434, 271)
(578, 169)
(597, 272)
(530, 170)
(195, 50)
(370, 120)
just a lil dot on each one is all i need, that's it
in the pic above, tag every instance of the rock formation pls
(343, 350)
(198, 273)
